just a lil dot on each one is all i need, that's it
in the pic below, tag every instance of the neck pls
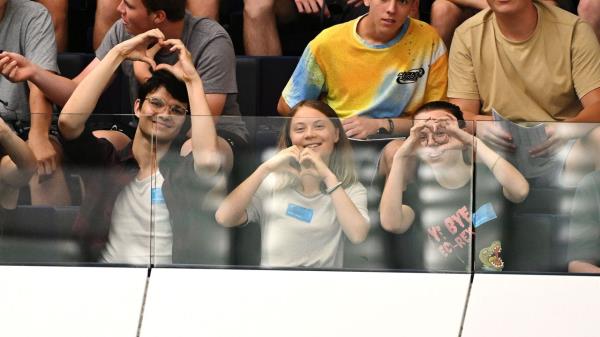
(518, 26)
(309, 185)
(146, 154)
(367, 30)
(453, 175)
(172, 29)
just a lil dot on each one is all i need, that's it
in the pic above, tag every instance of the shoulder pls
(556, 15)
(338, 33)
(26, 11)
(203, 28)
(475, 22)
(422, 29)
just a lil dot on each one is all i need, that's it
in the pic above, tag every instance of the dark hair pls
(175, 9)
(341, 161)
(454, 110)
(165, 79)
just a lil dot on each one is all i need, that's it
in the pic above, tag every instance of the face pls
(434, 139)
(388, 15)
(135, 16)
(160, 115)
(312, 129)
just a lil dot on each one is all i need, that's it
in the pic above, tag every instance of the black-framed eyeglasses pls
(158, 105)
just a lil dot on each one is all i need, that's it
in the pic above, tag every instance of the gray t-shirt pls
(212, 53)
(26, 28)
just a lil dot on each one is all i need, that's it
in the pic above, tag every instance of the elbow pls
(67, 130)
(361, 234)
(224, 219)
(520, 193)
(282, 107)
(392, 226)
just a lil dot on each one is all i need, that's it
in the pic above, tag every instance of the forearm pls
(85, 97)
(583, 267)
(24, 161)
(514, 185)
(204, 135)
(232, 211)
(353, 223)
(57, 88)
(394, 216)
(41, 112)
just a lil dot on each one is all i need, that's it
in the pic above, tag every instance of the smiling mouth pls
(162, 124)
(312, 146)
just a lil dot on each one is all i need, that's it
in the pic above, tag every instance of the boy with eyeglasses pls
(149, 176)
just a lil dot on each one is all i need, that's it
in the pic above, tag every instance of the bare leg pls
(445, 17)
(260, 28)
(204, 8)
(58, 10)
(51, 190)
(106, 15)
(589, 11)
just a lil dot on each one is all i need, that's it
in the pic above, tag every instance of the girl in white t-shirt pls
(305, 196)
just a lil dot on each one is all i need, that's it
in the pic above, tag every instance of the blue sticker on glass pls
(484, 214)
(157, 196)
(300, 213)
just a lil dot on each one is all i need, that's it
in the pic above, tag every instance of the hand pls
(312, 164)
(312, 7)
(495, 136)
(16, 68)
(452, 129)
(44, 153)
(184, 69)
(141, 70)
(552, 145)
(286, 160)
(418, 132)
(136, 48)
(361, 127)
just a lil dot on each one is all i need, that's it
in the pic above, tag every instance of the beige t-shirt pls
(541, 79)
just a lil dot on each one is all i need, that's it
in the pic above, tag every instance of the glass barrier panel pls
(300, 194)
(83, 201)
(553, 227)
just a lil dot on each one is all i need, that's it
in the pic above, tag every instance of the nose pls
(391, 6)
(308, 132)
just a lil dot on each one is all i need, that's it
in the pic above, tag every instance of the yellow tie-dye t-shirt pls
(380, 81)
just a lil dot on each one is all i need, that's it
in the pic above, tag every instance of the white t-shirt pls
(299, 230)
(131, 238)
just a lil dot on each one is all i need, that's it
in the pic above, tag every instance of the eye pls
(177, 110)
(155, 102)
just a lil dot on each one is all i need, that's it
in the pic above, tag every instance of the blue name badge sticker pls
(300, 213)
(484, 214)
(157, 196)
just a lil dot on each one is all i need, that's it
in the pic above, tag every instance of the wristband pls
(333, 188)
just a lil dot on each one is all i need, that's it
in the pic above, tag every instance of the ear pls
(367, 3)
(160, 16)
(137, 107)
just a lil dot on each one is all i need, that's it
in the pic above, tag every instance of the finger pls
(544, 149)
(326, 12)
(300, 6)
(499, 143)
(351, 132)
(149, 61)
(313, 7)
(9, 68)
(152, 51)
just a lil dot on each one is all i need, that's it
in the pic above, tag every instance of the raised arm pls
(395, 216)
(80, 105)
(204, 136)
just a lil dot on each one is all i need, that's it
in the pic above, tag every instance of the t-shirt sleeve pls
(216, 66)
(437, 80)
(584, 228)
(307, 81)
(89, 150)
(112, 38)
(40, 44)
(461, 73)
(586, 59)
(358, 194)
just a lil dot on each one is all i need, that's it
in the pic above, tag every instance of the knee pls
(259, 8)
(443, 10)
(589, 10)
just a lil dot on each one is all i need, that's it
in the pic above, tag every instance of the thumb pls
(164, 66)
(326, 12)
(149, 61)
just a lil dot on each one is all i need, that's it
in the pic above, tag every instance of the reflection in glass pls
(427, 199)
(306, 197)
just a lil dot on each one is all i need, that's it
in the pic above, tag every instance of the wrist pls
(330, 180)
